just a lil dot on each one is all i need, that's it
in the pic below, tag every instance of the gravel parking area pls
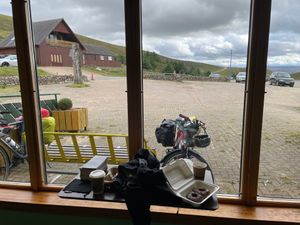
(220, 106)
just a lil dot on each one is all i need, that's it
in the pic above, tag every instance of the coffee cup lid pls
(97, 174)
(200, 164)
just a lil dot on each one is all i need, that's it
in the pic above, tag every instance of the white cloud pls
(288, 59)
(173, 48)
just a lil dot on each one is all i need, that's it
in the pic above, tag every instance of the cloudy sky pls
(197, 30)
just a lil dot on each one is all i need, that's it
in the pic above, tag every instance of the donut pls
(194, 196)
(197, 194)
(201, 191)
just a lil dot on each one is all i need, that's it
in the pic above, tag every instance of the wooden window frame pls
(253, 109)
(133, 36)
(260, 16)
(29, 89)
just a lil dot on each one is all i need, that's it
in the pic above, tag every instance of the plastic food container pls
(110, 176)
(96, 163)
(181, 181)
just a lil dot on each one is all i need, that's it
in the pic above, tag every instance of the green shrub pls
(65, 104)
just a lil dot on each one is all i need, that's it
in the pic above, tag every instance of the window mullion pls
(29, 89)
(254, 97)
(134, 75)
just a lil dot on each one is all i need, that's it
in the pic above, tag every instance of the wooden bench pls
(14, 109)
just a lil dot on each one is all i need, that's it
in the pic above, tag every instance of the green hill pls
(296, 76)
(6, 26)
(160, 61)
(118, 50)
(151, 61)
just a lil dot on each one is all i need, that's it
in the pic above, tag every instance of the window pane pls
(13, 157)
(98, 106)
(193, 52)
(280, 153)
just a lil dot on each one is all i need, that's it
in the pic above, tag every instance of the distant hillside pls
(151, 60)
(289, 69)
(296, 76)
(160, 61)
(118, 50)
(6, 26)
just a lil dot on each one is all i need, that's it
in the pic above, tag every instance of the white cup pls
(97, 181)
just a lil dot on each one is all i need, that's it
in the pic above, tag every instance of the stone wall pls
(43, 80)
(181, 77)
(60, 79)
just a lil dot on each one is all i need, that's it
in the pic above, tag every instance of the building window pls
(109, 58)
(101, 57)
(56, 58)
(52, 37)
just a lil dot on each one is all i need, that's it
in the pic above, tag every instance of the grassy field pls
(6, 26)
(296, 76)
(4, 90)
(78, 85)
(116, 72)
(13, 71)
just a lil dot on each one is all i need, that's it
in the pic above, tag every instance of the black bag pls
(165, 133)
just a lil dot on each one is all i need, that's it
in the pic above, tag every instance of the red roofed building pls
(53, 41)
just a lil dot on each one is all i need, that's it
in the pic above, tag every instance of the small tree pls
(147, 64)
(150, 60)
(169, 68)
(206, 74)
(121, 59)
(180, 67)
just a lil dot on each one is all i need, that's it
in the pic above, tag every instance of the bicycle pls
(12, 152)
(183, 135)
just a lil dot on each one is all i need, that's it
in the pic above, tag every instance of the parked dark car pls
(281, 79)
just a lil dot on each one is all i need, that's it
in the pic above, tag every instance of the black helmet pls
(202, 140)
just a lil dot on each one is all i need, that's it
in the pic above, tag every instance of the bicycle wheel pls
(178, 154)
(4, 165)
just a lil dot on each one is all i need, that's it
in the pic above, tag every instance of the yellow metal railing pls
(80, 147)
